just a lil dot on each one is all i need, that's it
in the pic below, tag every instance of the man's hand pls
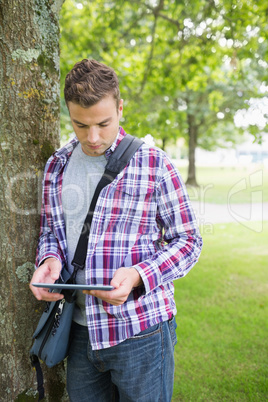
(48, 272)
(124, 280)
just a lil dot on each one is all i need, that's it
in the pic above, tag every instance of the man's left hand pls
(124, 280)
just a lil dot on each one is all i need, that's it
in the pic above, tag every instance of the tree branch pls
(156, 10)
(149, 61)
(133, 25)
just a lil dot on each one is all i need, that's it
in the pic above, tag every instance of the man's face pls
(96, 127)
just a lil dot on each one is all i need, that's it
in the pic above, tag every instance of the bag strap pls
(39, 376)
(116, 163)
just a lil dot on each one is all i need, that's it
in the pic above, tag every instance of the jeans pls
(140, 369)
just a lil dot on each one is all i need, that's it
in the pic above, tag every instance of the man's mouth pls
(94, 146)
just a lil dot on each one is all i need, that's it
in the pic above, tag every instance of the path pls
(223, 213)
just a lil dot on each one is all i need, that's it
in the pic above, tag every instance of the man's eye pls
(103, 125)
(79, 126)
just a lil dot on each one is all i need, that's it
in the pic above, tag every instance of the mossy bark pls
(29, 132)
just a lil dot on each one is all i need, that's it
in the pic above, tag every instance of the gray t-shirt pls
(80, 180)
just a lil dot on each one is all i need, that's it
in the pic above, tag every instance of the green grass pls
(222, 319)
(217, 184)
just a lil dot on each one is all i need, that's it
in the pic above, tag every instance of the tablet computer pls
(74, 286)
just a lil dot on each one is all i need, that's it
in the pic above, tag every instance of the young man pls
(143, 236)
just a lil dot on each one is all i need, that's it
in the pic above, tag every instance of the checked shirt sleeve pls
(48, 244)
(182, 240)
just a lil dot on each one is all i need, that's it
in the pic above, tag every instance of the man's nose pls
(93, 135)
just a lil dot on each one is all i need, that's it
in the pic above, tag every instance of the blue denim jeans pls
(140, 369)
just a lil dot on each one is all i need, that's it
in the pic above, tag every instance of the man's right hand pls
(48, 272)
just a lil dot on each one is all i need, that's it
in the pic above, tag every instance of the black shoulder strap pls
(116, 163)
(122, 154)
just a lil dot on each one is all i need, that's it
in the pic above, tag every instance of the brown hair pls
(90, 81)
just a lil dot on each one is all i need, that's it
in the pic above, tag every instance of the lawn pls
(236, 185)
(222, 347)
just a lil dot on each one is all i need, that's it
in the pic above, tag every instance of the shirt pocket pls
(133, 210)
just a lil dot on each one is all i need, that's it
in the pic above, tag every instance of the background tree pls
(185, 68)
(29, 115)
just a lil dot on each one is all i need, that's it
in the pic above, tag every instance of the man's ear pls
(120, 108)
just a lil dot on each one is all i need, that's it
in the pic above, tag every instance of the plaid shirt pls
(143, 219)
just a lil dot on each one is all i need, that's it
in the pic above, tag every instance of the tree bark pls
(29, 118)
(192, 138)
(164, 143)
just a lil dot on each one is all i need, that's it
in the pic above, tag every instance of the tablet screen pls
(74, 286)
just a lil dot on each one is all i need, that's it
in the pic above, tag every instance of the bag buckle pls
(77, 266)
(34, 360)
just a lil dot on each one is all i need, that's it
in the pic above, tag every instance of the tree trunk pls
(29, 117)
(192, 134)
(164, 143)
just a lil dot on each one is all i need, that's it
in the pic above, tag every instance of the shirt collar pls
(120, 135)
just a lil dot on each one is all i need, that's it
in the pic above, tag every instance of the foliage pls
(179, 63)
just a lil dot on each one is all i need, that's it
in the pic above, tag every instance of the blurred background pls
(193, 76)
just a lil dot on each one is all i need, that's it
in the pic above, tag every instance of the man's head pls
(89, 82)
(93, 99)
